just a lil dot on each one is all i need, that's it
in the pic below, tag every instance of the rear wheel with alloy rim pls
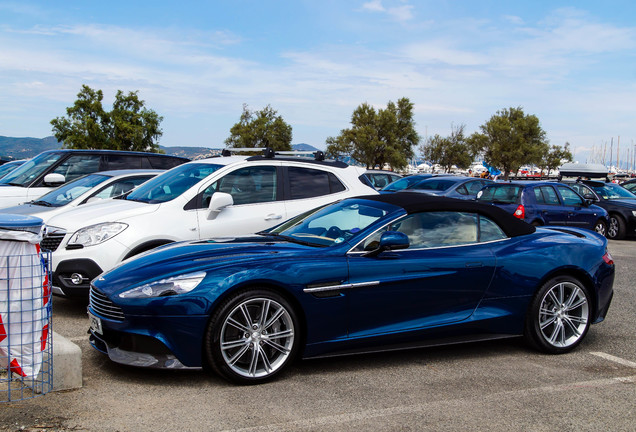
(600, 227)
(559, 316)
(252, 337)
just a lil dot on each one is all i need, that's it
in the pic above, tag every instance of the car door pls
(579, 215)
(255, 190)
(439, 279)
(307, 188)
(548, 206)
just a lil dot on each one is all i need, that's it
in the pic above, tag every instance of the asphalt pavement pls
(489, 386)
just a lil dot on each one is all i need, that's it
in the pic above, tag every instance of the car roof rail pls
(269, 153)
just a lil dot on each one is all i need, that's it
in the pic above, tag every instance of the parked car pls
(89, 188)
(451, 186)
(405, 182)
(9, 166)
(630, 185)
(619, 202)
(53, 168)
(364, 274)
(222, 196)
(545, 203)
(380, 179)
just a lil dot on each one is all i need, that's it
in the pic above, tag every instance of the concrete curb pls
(67, 364)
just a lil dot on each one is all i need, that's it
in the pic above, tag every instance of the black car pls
(619, 202)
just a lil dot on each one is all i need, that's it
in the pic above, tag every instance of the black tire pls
(617, 227)
(601, 227)
(559, 315)
(238, 341)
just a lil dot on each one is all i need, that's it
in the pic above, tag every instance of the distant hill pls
(25, 148)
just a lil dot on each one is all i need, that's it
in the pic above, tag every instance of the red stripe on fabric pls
(45, 335)
(3, 331)
(15, 367)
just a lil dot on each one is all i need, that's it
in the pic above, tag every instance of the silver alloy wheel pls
(600, 228)
(257, 337)
(563, 315)
(612, 230)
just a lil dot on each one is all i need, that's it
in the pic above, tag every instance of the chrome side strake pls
(340, 287)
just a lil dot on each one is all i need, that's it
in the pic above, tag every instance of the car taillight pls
(608, 258)
(520, 212)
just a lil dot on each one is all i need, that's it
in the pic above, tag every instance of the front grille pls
(103, 306)
(50, 242)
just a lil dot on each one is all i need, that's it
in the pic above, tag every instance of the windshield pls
(173, 183)
(26, 173)
(404, 183)
(65, 194)
(8, 167)
(335, 223)
(436, 185)
(611, 191)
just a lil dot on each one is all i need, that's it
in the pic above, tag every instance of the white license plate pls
(96, 323)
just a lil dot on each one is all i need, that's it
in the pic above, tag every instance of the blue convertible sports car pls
(364, 274)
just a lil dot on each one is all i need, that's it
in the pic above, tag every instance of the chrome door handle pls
(273, 217)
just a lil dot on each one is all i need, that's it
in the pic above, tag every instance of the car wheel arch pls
(146, 246)
(267, 286)
(576, 273)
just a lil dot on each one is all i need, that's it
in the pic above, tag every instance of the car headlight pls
(634, 213)
(96, 234)
(165, 287)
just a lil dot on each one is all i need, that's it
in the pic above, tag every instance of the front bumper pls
(62, 280)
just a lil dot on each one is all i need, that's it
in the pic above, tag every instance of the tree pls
(449, 151)
(129, 126)
(510, 139)
(260, 129)
(555, 157)
(376, 138)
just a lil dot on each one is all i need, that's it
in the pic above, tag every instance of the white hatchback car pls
(217, 197)
(87, 189)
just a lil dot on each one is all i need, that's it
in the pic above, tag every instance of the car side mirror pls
(218, 202)
(390, 240)
(54, 179)
(589, 197)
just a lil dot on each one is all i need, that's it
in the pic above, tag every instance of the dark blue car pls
(546, 203)
(365, 274)
(451, 186)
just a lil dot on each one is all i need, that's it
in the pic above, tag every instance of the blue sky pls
(572, 64)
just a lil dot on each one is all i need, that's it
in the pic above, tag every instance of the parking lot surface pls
(494, 386)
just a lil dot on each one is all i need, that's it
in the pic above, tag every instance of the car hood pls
(203, 255)
(29, 209)
(627, 203)
(94, 213)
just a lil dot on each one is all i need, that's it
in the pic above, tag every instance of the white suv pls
(216, 197)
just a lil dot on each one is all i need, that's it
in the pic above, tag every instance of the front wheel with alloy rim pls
(600, 227)
(559, 316)
(252, 336)
(617, 228)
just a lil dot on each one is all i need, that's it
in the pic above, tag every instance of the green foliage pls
(376, 138)
(129, 126)
(449, 151)
(260, 129)
(511, 139)
(556, 156)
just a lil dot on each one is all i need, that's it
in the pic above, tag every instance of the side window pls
(489, 231)
(248, 185)
(549, 195)
(474, 187)
(570, 198)
(462, 190)
(116, 162)
(438, 229)
(309, 183)
(582, 190)
(78, 165)
(120, 187)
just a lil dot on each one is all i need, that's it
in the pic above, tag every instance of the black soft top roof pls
(414, 202)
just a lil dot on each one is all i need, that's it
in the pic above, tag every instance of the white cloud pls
(400, 13)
